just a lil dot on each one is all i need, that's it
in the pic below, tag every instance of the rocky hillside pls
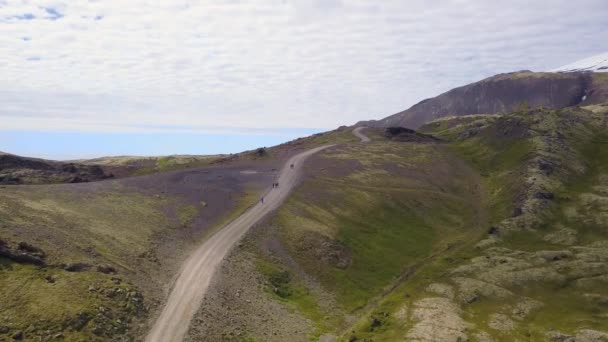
(494, 230)
(22, 170)
(540, 273)
(90, 261)
(505, 93)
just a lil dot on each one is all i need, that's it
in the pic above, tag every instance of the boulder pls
(77, 267)
(107, 269)
(18, 335)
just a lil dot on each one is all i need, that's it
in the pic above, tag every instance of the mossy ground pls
(579, 205)
(142, 233)
(386, 208)
(47, 302)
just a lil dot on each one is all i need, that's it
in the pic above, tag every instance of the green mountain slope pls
(498, 232)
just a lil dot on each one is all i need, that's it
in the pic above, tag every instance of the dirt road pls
(194, 277)
(357, 132)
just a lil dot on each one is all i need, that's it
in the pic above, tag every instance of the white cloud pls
(129, 65)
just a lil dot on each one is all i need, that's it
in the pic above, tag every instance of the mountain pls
(597, 63)
(505, 93)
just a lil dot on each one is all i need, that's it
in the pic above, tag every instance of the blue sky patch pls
(54, 14)
(63, 145)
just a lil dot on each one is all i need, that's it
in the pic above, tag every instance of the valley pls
(481, 225)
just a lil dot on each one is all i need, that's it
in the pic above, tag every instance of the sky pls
(90, 78)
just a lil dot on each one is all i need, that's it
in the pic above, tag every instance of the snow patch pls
(598, 63)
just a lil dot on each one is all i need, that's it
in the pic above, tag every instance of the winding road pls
(357, 132)
(195, 275)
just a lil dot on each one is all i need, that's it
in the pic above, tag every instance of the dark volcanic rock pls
(18, 336)
(23, 170)
(24, 253)
(544, 195)
(10, 180)
(517, 212)
(546, 166)
(106, 269)
(260, 152)
(32, 250)
(9, 161)
(77, 267)
(408, 135)
(80, 321)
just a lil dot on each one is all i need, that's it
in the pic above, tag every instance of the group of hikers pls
(274, 185)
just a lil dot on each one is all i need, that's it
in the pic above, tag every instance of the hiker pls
(292, 166)
(262, 200)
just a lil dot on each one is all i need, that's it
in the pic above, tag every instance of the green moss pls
(117, 225)
(386, 223)
(187, 214)
(499, 162)
(377, 245)
(497, 157)
(290, 290)
(580, 204)
(45, 301)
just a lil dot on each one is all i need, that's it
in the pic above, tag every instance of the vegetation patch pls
(187, 214)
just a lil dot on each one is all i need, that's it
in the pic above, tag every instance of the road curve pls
(357, 132)
(195, 275)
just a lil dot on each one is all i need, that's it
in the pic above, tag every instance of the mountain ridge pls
(504, 93)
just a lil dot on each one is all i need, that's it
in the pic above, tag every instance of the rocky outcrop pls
(23, 253)
(437, 319)
(22, 170)
(408, 135)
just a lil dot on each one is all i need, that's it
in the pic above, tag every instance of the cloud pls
(237, 65)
